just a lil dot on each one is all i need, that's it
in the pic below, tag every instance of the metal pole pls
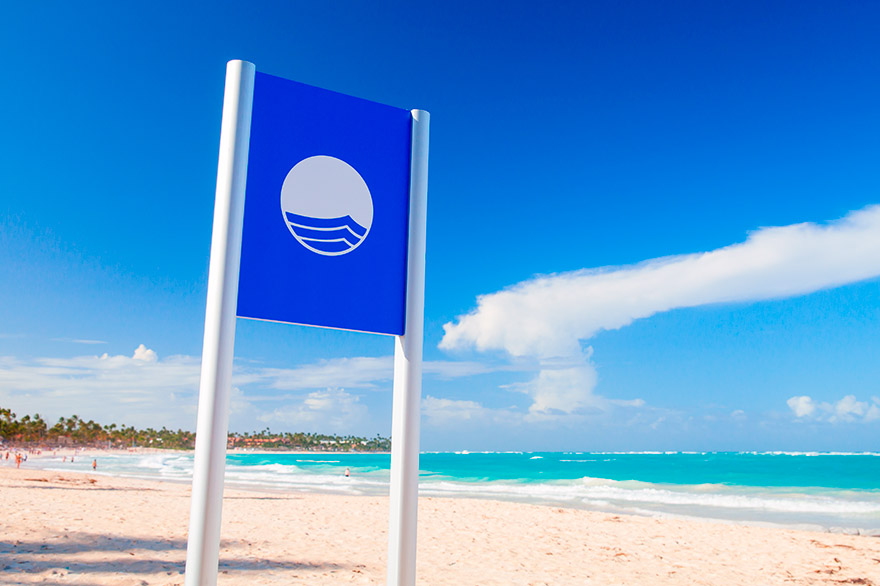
(404, 496)
(203, 546)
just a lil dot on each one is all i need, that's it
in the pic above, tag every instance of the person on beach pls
(94, 464)
(347, 473)
(18, 460)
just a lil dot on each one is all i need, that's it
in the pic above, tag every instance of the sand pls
(68, 528)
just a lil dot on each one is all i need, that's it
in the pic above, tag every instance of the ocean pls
(826, 491)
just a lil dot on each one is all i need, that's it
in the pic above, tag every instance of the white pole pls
(203, 547)
(404, 496)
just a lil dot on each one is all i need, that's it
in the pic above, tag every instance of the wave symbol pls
(329, 236)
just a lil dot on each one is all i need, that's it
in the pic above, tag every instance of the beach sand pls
(68, 528)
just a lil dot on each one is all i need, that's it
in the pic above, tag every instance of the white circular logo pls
(326, 205)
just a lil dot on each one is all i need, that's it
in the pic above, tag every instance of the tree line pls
(76, 432)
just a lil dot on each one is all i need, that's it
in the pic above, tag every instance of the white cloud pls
(847, 410)
(144, 354)
(873, 413)
(144, 390)
(449, 369)
(357, 372)
(330, 410)
(135, 390)
(628, 402)
(79, 341)
(562, 387)
(444, 410)
(367, 372)
(549, 315)
(802, 406)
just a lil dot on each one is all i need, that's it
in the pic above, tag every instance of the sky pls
(651, 226)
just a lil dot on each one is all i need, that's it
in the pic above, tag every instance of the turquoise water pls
(820, 491)
(744, 469)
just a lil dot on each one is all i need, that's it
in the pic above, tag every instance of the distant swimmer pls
(347, 473)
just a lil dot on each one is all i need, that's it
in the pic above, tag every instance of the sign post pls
(203, 545)
(320, 219)
(404, 496)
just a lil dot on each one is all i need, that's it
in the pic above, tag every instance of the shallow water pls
(814, 490)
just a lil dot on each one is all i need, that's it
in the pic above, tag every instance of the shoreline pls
(102, 530)
(150, 450)
(276, 490)
(691, 503)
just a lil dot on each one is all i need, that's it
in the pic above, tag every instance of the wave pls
(651, 453)
(810, 454)
(709, 453)
(328, 235)
(274, 467)
(705, 500)
(716, 495)
(445, 453)
(786, 505)
(153, 462)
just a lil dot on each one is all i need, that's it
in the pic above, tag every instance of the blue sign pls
(326, 210)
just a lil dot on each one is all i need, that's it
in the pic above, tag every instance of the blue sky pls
(571, 144)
